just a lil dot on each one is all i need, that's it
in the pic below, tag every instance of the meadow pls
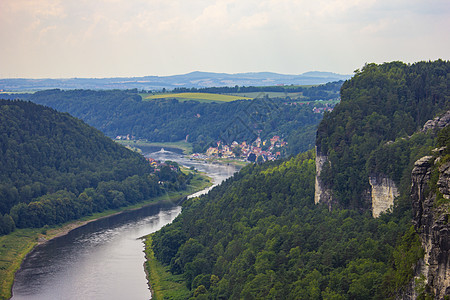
(254, 95)
(201, 97)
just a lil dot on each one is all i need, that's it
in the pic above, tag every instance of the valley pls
(263, 235)
(104, 247)
(326, 211)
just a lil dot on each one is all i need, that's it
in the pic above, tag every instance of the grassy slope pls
(197, 96)
(13, 249)
(15, 246)
(269, 94)
(163, 284)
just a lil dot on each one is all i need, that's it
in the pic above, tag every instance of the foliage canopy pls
(55, 168)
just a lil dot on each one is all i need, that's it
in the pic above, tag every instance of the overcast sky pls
(107, 38)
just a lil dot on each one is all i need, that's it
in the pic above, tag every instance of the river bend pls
(103, 259)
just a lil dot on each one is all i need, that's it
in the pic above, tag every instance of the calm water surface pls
(103, 259)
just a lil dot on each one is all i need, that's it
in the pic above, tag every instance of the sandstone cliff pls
(383, 193)
(431, 221)
(322, 194)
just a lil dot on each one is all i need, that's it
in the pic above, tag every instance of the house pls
(257, 142)
(275, 139)
(154, 163)
(212, 151)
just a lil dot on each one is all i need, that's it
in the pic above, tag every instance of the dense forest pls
(380, 105)
(55, 168)
(260, 235)
(123, 112)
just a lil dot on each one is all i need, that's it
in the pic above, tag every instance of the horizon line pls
(162, 76)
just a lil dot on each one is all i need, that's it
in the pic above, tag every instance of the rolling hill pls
(193, 79)
(55, 168)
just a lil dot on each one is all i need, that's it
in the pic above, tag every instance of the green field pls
(254, 95)
(202, 97)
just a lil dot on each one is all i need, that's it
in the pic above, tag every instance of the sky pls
(128, 38)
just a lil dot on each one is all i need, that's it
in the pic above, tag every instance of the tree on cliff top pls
(379, 104)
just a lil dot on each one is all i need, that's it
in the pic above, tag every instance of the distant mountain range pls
(193, 79)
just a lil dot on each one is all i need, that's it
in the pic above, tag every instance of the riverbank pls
(162, 283)
(15, 246)
(142, 144)
(223, 161)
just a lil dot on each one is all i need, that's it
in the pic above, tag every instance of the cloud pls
(173, 36)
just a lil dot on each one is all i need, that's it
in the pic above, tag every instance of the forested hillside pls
(260, 235)
(124, 112)
(55, 168)
(381, 104)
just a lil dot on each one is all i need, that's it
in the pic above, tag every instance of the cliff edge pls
(430, 193)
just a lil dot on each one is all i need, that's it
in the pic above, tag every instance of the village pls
(157, 165)
(258, 151)
(316, 109)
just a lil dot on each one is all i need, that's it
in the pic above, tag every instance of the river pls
(103, 259)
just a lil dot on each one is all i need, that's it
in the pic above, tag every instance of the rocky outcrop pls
(431, 220)
(443, 183)
(322, 194)
(438, 122)
(383, 193)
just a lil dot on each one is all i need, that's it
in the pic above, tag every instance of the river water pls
(103, 259)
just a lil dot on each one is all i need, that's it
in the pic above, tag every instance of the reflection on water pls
(103, 259)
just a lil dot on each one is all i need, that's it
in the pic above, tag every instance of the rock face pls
(432, 223)
(383, 193)
(383, 189)
(322, 194)
(438, 122)
(443, 182)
